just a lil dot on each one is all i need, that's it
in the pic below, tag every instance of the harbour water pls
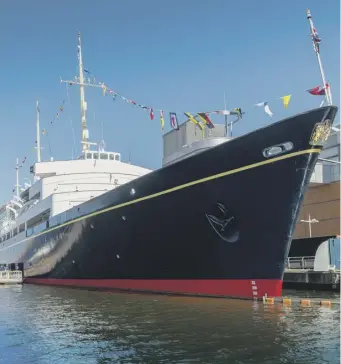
(63, 325)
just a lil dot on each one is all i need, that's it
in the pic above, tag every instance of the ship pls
(217, 220)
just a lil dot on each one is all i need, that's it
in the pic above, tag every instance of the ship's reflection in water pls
(58, 325)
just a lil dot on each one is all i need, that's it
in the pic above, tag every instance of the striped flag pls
(193, 120)
(204, 117)
(316, 40)
(174, 120)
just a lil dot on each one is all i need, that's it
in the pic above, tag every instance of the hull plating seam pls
(177, 188)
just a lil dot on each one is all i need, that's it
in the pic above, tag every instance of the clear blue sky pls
(176, 55)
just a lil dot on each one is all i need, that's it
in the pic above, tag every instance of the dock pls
(300, 274)
(11, 277)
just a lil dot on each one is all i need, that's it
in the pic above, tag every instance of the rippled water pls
(64, 325)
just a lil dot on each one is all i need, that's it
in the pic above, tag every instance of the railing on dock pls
(300, 262)
(11, 277)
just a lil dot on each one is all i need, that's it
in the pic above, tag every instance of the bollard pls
(305, 303)
(326, 303)
(286, 301)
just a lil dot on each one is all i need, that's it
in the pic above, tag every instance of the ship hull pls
(234, 288)
(219, 223)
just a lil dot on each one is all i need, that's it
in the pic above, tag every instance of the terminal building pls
(322, 200)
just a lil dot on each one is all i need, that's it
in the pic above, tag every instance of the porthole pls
(277, 149)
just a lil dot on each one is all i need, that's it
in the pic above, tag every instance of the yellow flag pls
(201, 127)
(193, 120)
(286, 100)
(162, 120)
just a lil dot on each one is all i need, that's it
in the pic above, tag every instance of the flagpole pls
(226, 127)
(317, 51)
(17, 186)
(38, 133)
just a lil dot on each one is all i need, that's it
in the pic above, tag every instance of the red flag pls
(317, 91)
(151, 113)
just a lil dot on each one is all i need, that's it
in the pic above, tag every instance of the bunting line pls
(204, 119)
(200, 119)
(18, 166)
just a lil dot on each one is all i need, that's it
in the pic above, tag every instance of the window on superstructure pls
(95, 155)
(35, 197)
(117, 157)
(104, 156)
(14, 232)
(21, 228)
(88, 155)
(8, 235)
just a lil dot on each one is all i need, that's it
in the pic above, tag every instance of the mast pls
(82, 83)
(316, 41)
(85, 131)
(38, 134)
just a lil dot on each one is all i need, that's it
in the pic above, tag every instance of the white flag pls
(266, 108)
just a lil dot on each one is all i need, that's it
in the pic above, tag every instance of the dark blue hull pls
(225, 215)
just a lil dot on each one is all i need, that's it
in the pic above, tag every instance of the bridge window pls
(103, 156)
(21, 228)
(29, 232)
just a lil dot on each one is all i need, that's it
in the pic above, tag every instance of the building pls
(321, 203)
(322, 200)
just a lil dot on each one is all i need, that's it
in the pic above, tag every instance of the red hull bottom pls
(242, 288)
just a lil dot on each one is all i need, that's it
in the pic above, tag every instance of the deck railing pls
(300, 262)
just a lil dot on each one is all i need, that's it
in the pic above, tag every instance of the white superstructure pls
(62, 185)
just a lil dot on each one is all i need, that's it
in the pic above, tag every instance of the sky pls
(173, 55)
